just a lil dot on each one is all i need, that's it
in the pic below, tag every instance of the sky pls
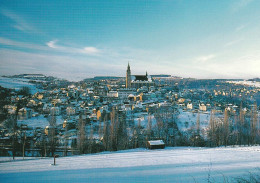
(81, 39)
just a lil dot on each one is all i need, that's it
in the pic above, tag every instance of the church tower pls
(128, 77)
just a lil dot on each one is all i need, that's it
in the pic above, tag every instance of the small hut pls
(156, 144)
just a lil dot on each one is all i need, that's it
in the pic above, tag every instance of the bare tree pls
(23, 139)
(13, 120)
(253, 120)
(91, 140)
(149, 128)
(100, 130)
(122, 136)
(226, 130)
(198, 124)
(138, 141)
(159, 123)
(52, 138)
(113, 130)
(11, 124)
(212, 129)
(106, 133)
(81, 142)
(241, 124)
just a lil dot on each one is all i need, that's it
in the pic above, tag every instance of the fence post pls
(55, 156)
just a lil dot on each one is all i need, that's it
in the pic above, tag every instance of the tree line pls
(115, 131)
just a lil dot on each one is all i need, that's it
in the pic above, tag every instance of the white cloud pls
(244, 65)
(90, 50)
(51, 44)
(67, 49)
(19, 22)
(77, 64)
(232, 42)
(241, 27)
(10, 42)
(205, 58)
(59, 65)
(240, 4)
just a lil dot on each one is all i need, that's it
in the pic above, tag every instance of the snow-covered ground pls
(247, 83)
(179, 164)
(39, 121)
(17, 84)
(191, 119)
(9, 158)
(183, 117)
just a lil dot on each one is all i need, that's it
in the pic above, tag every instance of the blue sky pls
(76, 40)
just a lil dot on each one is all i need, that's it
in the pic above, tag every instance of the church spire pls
(128, 67)
(128, 76)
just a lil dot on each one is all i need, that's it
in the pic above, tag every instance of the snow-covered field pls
(17, 84)
(191, 119)
(184, 117)
(39, 121)
(247, 83)
(179, 164)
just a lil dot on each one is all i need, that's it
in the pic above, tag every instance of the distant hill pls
(29, 76)
(254, 79)
(102, 78)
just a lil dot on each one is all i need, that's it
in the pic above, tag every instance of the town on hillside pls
(46, 116)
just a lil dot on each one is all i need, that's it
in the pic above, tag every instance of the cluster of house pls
(217, 99)
(138, 94)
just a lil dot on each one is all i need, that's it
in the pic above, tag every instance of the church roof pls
(140, 78)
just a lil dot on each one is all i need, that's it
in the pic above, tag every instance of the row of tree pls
(116, 132)
(239, 129)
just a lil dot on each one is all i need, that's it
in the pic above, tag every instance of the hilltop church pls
(137, 81)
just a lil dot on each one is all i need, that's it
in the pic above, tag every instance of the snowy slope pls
(191, 118)
(18, 83)
(181, 164)
(247, 83)
(39, 121)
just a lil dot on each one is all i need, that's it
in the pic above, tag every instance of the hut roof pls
(156, 142)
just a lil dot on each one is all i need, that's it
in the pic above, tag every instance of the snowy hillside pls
(17, 84)
(179, 164)
(247, 83)
(39, 121)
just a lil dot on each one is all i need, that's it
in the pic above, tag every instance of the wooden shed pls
(155, 144)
